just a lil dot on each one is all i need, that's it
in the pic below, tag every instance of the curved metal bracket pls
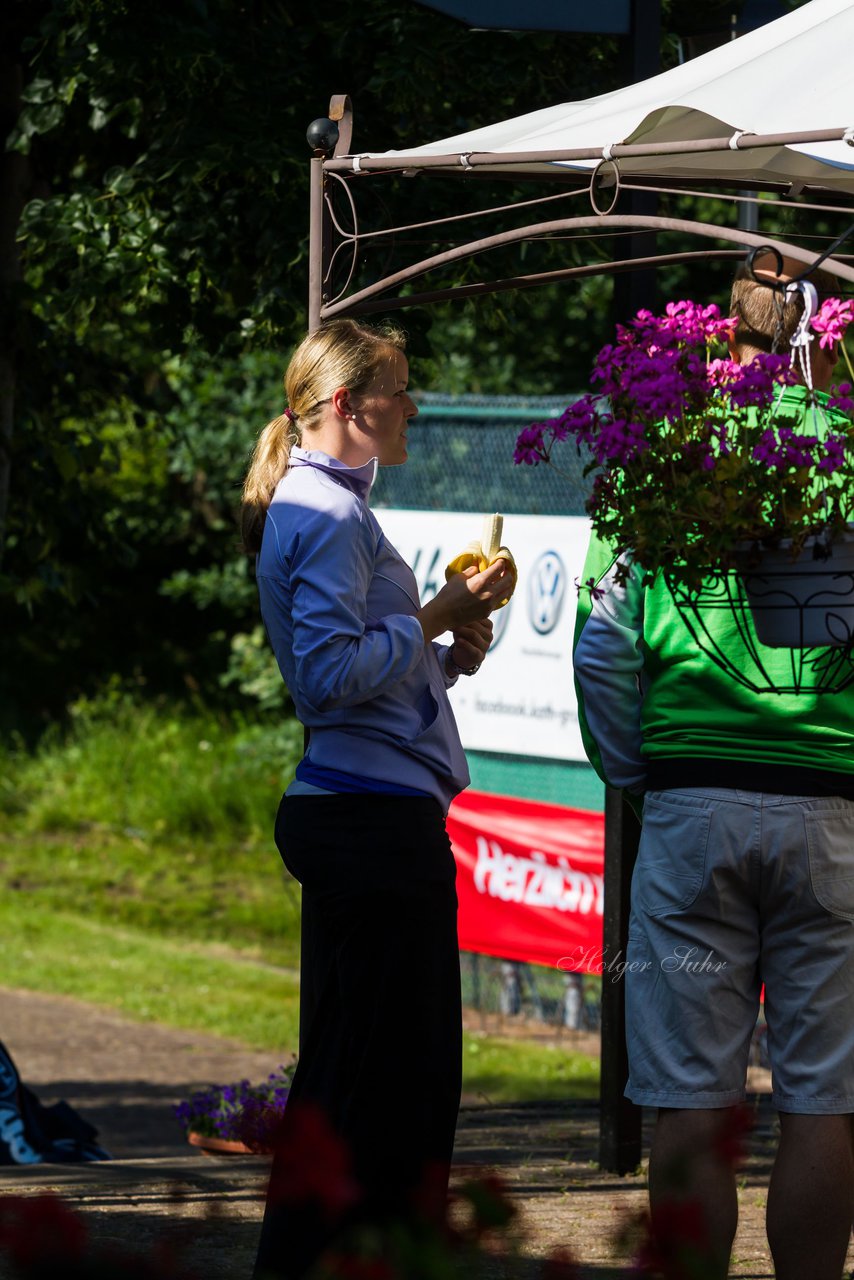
(341, 110)
(757, 252)
(596, 174)
(779, 285)
(617, 221)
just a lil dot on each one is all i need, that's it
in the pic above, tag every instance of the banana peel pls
(484, 553)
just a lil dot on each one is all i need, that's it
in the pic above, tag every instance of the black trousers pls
(380, 1009)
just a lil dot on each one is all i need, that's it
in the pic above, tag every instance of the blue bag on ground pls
(31, 1133)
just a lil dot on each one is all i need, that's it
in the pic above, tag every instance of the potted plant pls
(703, 467)
(235, 1119)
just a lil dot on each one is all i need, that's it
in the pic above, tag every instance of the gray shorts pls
(733, 889)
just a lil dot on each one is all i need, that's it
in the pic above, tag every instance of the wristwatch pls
(454, 668)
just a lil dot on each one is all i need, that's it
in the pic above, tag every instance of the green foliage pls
(134, 566)
(157, 820)
(153, 774)
(500, 1069)
(514, 343)
(253, 670)
(153, 977)
(235, 895)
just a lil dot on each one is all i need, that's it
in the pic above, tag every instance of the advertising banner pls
(522, 701)
(529, 880)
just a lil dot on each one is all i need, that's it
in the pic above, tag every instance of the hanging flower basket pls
(822, 670)
(721, 477)
(804, 603)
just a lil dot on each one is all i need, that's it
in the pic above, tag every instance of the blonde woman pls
(362, 826)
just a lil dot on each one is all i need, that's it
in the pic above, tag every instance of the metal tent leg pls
(620, 1120)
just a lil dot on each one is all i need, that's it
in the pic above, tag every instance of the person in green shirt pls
(745, 877)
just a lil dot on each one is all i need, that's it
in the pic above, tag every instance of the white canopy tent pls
(771, 112)
(790, 77)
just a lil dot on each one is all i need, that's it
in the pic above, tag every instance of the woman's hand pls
(469, 597)
(470, 646)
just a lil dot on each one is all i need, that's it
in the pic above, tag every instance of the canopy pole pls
(619, 1119)
(620, 1138)
(316, 242)
(329, 137)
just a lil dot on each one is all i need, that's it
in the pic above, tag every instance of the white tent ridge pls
(746, 102)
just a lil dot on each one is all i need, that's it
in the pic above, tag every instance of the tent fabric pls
(790, 76)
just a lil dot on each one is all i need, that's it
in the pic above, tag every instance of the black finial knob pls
(322, 135)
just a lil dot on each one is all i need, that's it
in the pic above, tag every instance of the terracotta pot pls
(803, 603)
(220, 1146)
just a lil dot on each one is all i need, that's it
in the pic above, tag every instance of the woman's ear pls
(340, 400)
(734, 351)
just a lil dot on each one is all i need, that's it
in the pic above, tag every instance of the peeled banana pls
(484, 553)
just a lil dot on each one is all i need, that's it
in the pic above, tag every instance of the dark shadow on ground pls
(134, 1118)
(213, 1247)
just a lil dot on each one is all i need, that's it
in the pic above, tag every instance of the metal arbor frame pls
(329, 240)
(336, 170)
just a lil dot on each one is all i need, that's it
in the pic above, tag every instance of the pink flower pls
(832, 319)
(723, 373)
(696, 324)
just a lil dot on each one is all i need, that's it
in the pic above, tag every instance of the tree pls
(159, 187)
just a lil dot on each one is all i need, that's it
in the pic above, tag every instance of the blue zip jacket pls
(339, 605)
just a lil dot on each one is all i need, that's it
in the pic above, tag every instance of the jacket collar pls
(357, 479)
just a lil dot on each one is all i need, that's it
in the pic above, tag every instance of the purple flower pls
(695, 325)
(662, 418)
(834, 454)
(840, 398)
(529, 445)
(589, 584)
(217, 1110)
(759, 380)
(784, 448)
(619, 440)
(578, 419)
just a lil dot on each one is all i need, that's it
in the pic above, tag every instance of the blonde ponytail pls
(268, 464)
(342, 353)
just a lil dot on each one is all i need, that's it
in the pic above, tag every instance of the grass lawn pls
(151, 976)
(185, 890)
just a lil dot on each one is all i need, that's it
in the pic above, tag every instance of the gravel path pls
(124, 1077)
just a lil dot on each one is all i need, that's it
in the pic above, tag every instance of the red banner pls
(529, 880)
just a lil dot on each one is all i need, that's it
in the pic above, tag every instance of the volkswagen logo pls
(546, 588)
